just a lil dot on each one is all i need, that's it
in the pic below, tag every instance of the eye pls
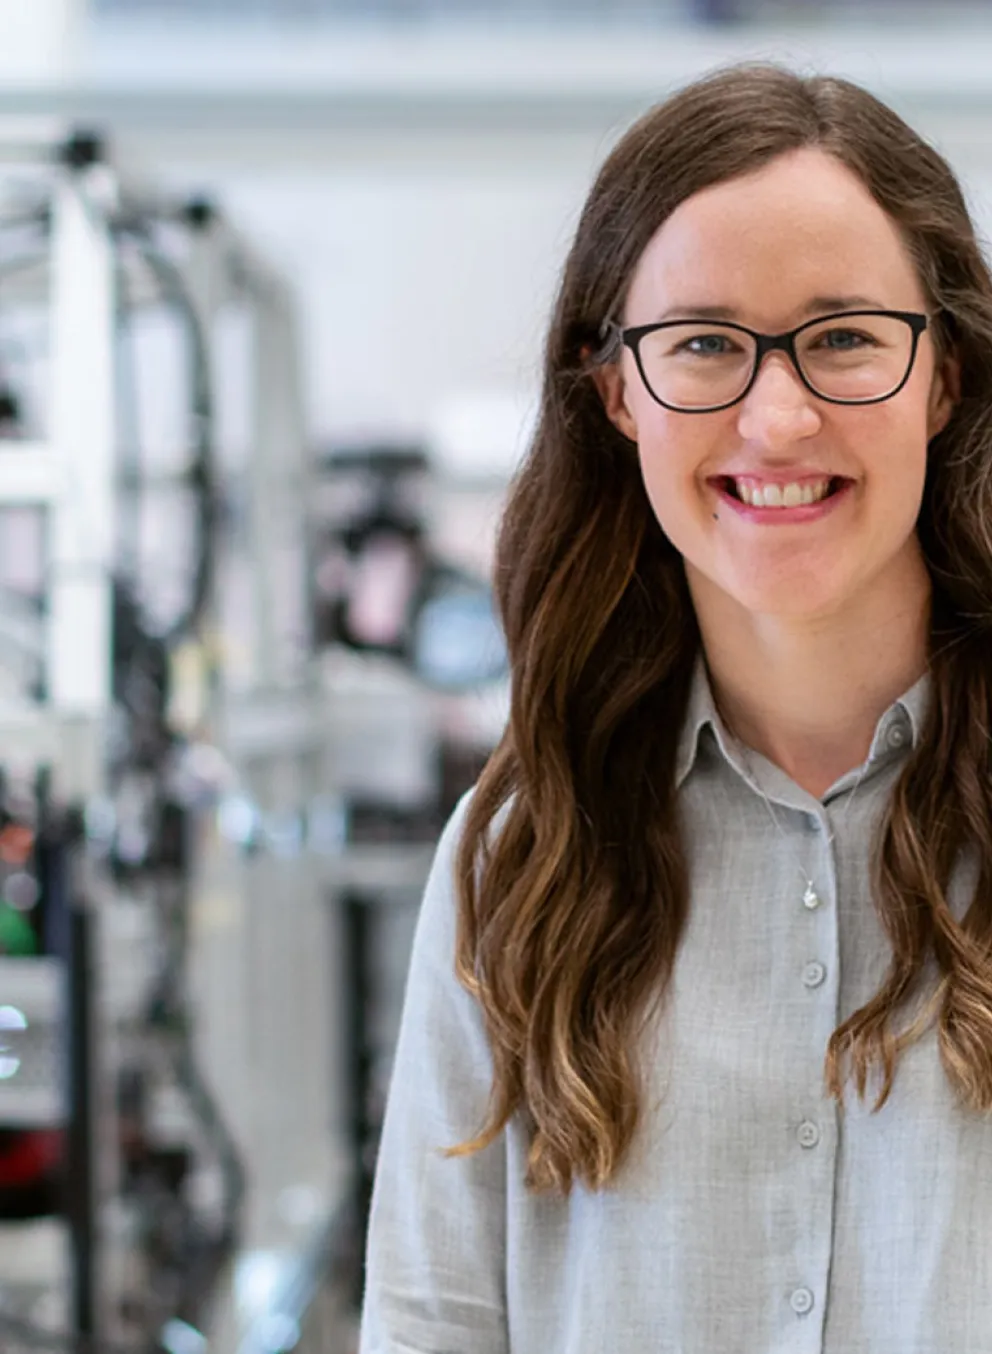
(844, 340)
(707, 345)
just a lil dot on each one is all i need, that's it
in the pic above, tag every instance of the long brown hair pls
(573, 884)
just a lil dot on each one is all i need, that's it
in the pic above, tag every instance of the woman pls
(716, 1062)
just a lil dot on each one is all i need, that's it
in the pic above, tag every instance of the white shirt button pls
(814, 974)
(809, 1134)
(813, 823)
(801, 1301)
(896, 736)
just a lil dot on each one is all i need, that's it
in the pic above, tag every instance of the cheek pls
(674, 451)
(895, 467)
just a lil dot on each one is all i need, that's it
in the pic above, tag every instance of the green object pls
(16, 934)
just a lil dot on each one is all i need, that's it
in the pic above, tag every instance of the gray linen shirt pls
(753, 1217)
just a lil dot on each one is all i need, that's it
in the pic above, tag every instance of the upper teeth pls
(782, 495)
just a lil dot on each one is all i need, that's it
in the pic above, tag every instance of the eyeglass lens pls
(701, 364)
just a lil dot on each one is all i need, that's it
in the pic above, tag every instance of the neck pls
(808, 694)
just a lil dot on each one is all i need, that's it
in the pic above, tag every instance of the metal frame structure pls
(73, 477)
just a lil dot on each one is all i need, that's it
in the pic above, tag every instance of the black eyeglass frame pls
(771, 343)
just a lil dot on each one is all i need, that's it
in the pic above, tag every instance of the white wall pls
(425, 237)
(419, 277)
(422, 282)
(40, 39)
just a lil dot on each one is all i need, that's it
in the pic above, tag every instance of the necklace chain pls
(810, 896)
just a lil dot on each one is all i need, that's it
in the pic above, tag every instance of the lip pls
(805, 512)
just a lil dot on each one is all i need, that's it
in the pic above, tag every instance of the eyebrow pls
(817, 305)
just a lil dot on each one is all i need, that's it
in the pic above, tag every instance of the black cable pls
(201, 476)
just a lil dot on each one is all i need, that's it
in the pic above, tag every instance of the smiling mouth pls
(729, 485)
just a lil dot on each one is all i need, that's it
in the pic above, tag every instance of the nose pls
(778, 409)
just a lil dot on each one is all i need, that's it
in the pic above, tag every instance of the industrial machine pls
(112, 1147)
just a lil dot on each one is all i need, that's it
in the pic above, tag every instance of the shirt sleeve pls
(435, 1264)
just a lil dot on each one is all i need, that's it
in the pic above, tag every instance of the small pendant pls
(810, 897)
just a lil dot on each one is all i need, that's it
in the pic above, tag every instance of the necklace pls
(811, 898)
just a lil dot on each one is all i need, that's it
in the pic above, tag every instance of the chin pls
(792, 599)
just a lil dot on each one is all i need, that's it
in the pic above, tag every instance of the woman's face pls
(798, 238)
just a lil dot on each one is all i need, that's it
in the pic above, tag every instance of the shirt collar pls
(915, 704)
(700, 711)
(906, 714)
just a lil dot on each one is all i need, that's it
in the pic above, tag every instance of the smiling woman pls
(768, 245)
(734, 851)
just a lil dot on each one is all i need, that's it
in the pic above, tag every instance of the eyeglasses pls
(699, 367)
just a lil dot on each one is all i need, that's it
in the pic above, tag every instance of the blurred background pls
(274, 276)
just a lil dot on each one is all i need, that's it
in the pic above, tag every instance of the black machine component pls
(49, 1172)
(377, 585)
(46, 1171)
(34, 920)
(369, 549)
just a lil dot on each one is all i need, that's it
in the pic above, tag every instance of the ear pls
(945, 391)
(612, 386)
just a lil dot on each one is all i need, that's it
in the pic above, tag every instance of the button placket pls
(821, 864)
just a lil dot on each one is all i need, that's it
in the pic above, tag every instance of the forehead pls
(765, 243)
